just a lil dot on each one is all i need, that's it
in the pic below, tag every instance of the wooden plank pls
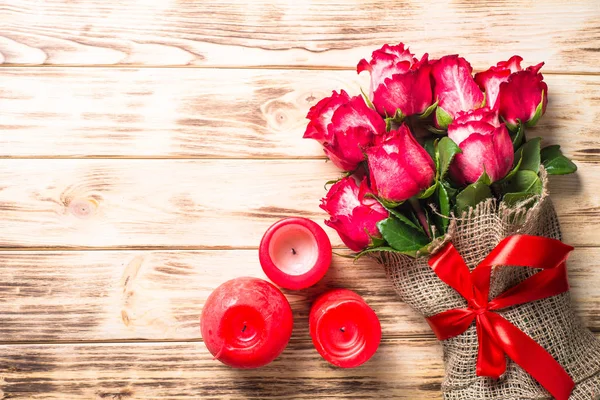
(159, 295)
(277, 32)
(199, 204)
(96, 112)
(402, 369)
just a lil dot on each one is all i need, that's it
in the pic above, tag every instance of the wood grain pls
(403, 369)
(199, 204)
(105, 264)
(164, 113)
(283, 33)
(159, 295)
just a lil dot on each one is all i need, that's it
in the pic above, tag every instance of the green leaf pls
(514, 198)
(404, 218)
(375, 241)
(555, 162)
(450, 190)
(374, 250)
(389, 203)
(428, 111)
(388, 124)
(523, 185)
(443, 118)
(429, 191)
(367, 99)
(524, 181)
(398, 116)
(395, 120)
(472, 195)
(518, 137)
(538, 113)
(429, 146)
(529, 154)
(435, 130)
(447, 149)
(484, 178)
(401, 237)
(424, 250)
(511, 127)
(444, 202)
(512, 172)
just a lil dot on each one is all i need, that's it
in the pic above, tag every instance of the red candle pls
(246, 323)
(344, 329)
(295, 253)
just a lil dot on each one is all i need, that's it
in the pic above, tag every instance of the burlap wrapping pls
(551, 322)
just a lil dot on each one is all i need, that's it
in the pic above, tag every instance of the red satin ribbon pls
(497, 336)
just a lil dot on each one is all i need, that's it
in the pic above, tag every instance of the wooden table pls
(146, 145)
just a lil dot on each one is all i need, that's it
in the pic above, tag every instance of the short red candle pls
(295, 253)
(344, 329)
(246, 323)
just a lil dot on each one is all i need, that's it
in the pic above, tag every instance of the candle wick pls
(244, 328)
(293, 251)
(342, 329)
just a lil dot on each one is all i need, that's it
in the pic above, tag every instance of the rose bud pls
(353, 215)
(399, 166)
(485, 145)
(454, 89)
(523, 97)
(345, 126)
(490, 80)
(398, 81)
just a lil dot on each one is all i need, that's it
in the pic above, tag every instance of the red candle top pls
(344, 329)
(295, 253)
(246, 322)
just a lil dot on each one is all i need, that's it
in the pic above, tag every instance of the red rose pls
(490, 80)
(454, 89)
(345, 126)
(398, 81)
(523, 97)
(353, 215)
(399, 166)
(485, 143)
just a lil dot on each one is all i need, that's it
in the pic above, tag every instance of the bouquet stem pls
(414, 202)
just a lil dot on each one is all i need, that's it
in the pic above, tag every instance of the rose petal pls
(385, 62)
(513, 64)
(410, 91)
(320, 116)
(353, 219)
(454, 87)
(482, 120)
(493, 152)
(399, 167)
(490, 81)
(521, 94)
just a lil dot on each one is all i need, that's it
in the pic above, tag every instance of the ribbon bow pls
(498, 337)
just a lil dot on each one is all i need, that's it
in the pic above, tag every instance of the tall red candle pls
(344, 329)
(246, 323)
(295, 253)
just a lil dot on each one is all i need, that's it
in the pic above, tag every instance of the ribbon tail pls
(491, 361)
(532, 357)
(546, 283)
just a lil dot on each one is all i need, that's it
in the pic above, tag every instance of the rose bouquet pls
(445, 189)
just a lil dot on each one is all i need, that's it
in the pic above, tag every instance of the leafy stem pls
(414, 202)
